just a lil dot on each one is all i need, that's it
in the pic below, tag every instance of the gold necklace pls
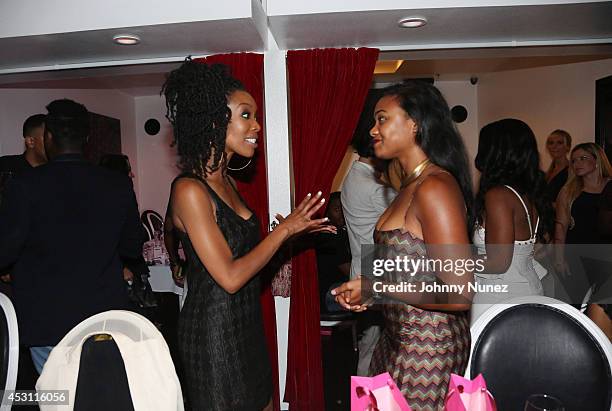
(416, 173)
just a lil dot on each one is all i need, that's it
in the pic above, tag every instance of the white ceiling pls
(460, 39)
(96, 47)
(461, 64)
(47, 35)
(450, 27)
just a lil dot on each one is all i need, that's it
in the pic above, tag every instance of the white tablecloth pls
(161, 280)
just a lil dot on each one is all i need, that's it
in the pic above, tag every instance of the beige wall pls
(157, 160)
(19, 104)
(546, 98)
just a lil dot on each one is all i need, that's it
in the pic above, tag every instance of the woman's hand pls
(299, 221)
(348, 295)
(194, 213)
(128, 276)
(177, 273)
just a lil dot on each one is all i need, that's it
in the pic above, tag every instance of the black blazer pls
(64, 226)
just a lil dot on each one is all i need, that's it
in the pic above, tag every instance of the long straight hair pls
(575, 184)
(436, 133)
(508, 155)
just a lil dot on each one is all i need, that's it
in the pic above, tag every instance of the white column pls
(279, 174)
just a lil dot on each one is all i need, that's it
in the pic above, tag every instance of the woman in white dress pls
(512, 212)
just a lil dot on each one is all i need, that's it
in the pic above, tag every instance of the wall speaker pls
(152, 127)
(459, 114)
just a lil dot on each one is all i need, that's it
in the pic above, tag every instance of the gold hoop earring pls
(241, 168)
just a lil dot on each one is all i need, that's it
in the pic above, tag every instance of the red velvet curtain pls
(327, 91)
(252, 183)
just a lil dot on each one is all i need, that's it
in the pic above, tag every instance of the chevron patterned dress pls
(419, 348)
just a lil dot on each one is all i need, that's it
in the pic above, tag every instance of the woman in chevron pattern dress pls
(419, 348)
(425, 338)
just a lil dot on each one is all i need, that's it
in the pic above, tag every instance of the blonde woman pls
(580, 206)
(579, 201)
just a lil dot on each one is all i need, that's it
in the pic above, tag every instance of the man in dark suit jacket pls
(33, 156)
(64, 226)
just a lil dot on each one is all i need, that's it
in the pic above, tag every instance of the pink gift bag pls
(466, 395)
(377, 393)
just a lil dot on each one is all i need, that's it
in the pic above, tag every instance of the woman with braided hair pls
(221, 337)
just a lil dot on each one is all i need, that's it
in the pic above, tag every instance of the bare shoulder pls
(187, 190)
(439, 188)
(187, 184)
(441, 210)
(499, 194)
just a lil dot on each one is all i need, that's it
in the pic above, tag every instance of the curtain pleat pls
(327, 90)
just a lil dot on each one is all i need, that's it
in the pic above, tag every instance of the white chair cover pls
(151, 376)
(13, 354)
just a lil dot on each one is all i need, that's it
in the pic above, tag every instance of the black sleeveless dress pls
(585, 212)
(587, 229)
(556, 184)
(221, 337)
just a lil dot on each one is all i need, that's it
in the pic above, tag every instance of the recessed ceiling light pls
(126, 39)
(412, 22)
(387, 66)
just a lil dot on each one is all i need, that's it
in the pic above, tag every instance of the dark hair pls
(362, 143)
(335, 196)
(117, 162)
(436, 133)
(68, 121)
(508, 155)
(196, 102)
(32, 122)
(362, 140)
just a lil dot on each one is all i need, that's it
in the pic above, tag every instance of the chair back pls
(153, 221)
(539, 345)
(9, 348)
(145, 377)
(148, 232)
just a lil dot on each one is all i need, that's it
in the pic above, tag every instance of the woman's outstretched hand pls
(300, 222)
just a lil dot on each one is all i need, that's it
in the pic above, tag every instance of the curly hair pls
(437, 135)
(508, 155)
(196, 103)
(68, 122)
